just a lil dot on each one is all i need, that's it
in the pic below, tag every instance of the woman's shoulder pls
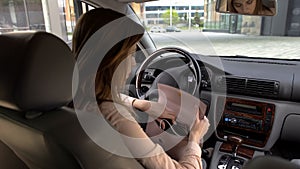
(109, 108)
(110, 105)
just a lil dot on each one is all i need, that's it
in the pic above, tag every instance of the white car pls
(157, 29)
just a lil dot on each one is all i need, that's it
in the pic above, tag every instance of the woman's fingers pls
(205, 124)
(199, 128)
(168, 115)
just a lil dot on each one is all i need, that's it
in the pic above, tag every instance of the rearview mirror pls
(248, 7)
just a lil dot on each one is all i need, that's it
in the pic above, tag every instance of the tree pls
(197, 19)
(166, 17)
(185, 16)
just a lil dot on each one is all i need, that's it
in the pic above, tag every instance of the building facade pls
(185, 11)
(214, 21)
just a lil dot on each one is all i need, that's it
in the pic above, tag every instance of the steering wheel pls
(185, 76)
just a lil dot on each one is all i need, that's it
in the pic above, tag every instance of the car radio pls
(248, 119)
(242, 122)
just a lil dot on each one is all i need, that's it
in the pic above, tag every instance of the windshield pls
(194, 25)
(189, 24)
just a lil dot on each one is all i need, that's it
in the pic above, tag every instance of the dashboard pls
(251, 98)
(274, 79)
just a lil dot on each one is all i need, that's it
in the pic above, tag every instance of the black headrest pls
(35, 71)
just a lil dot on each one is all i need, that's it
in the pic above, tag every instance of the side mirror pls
(247, 7)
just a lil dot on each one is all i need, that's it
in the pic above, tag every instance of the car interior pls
(253, 102)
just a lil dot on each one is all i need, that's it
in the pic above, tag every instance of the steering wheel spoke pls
(185, 75)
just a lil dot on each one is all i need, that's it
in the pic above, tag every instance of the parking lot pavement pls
(224, 44)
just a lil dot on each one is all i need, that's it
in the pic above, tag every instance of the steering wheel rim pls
(191, 60)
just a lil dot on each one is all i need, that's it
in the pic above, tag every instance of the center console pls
(244, 127)
(226, 160)
(250, 120)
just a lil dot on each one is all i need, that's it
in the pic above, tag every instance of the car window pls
(21, 15)
(206, 32)
(56, 16)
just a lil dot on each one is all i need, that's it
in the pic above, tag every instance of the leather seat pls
(36, 128)
(8, 159)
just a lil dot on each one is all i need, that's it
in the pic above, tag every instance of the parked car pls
(172, 29)
(157, 29)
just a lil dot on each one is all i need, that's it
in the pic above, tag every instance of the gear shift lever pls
(235, 142)
(228, 161)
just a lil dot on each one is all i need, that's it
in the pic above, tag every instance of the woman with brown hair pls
(115, 108)
(253, 7)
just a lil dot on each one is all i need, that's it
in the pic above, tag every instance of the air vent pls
(252, 87)
(262, 87)
(236, 84)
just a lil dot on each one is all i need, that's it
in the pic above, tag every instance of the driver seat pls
(36, 71)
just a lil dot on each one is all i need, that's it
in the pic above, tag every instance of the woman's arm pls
(151, 155)
(154, 109)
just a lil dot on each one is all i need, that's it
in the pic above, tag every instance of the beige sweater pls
(149, 154)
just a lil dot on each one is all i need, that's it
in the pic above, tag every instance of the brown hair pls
(87, 25)
(258, 6)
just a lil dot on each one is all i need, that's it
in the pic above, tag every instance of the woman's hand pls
(154, 109)
(199, 129)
